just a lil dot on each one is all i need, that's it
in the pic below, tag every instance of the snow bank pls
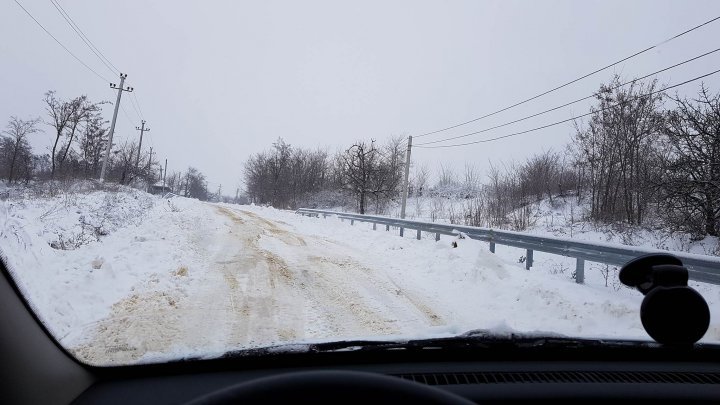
(474, 289)
(143, 244)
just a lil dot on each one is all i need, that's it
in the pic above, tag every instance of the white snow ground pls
(183, 278)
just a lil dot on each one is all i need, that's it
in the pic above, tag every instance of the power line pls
(569, 119)
(570, 82)
(84, 37)
(136, 109)
(138, 105)
(135, 104)
(570, 103)
(60, 43)
(126, 115)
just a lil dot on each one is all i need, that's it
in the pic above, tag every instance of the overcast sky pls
(220, 80)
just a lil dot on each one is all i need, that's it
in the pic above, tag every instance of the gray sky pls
(220, 80)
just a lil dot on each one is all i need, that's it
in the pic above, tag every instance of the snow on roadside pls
(144, 246)
(564, 217)
(152, 252)
(472, 288)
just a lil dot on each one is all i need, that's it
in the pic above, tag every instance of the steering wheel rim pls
(330, 386)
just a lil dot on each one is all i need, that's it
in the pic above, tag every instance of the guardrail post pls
(418, 234)
(492, 247)
(437, 236)
(402, 231)
(580, 271)
(352, 222)
(374, 226)
(528, 259)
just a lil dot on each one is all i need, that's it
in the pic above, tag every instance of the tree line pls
(78, 135)
(366, 175)
(643, 157)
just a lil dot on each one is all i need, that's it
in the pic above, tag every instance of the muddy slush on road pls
(265, 286)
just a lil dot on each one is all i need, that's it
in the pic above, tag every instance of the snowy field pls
(122, 277)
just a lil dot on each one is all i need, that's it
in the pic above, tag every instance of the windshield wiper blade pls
(475, 339)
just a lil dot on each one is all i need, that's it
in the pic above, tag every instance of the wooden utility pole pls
(120, 89)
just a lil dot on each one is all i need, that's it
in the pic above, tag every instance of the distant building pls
(158, 188)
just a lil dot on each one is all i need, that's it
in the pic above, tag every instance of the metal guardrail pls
(701, 268)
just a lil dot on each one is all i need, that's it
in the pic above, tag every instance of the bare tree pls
(368, 171)
(16, 134)
(92, 143)
(64, 115)
(359, 162)
(419, 180)
(83, 111)
(691, 175)
(618, 150)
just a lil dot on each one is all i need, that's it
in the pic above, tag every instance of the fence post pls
(580, 271)
(402, 231)
(374, 226)
(437, 236)
(387, 227)
(528, 259)
(418, 234)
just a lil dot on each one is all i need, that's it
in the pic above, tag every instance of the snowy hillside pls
(163, 279)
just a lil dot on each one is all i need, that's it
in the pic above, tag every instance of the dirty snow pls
(164, 279)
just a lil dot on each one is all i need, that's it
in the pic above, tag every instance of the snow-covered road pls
(182, 278)
(250, 297)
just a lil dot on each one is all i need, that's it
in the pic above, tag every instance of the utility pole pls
(120, 89)
(164, 175)
(149, 162)
(405, 183)
(142, 129)
(407, 175)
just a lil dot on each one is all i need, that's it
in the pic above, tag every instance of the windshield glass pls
(159, 164)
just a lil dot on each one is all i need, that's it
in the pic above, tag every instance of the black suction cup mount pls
(671, 312)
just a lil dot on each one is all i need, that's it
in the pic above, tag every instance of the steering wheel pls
(330, 386)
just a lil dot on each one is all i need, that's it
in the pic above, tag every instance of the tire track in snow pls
(250, 296)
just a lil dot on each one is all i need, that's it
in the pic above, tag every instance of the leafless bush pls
(437, 207)
(558, 268)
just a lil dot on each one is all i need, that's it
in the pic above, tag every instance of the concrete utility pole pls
(120, 89)
(405, 183)
(407, 175)
(149, 162)
(164, 175)
(142, 129)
